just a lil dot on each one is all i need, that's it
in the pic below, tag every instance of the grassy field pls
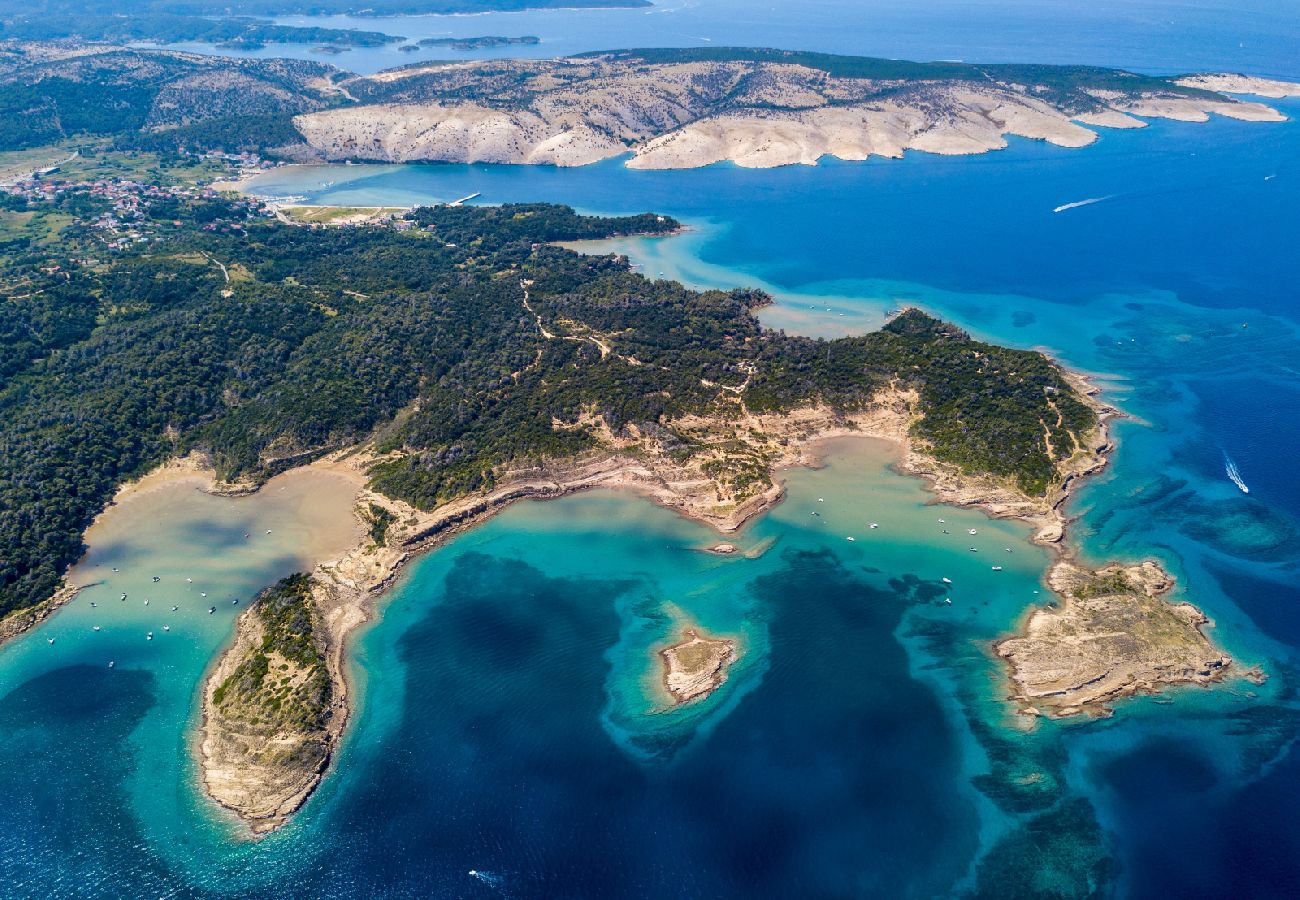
(43, 228)
(16, 164)
(95, 162)
(144, 167)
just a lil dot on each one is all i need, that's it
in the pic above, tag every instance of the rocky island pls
(482, 42)
(1114, 635)
(697, 665)
(268, 709)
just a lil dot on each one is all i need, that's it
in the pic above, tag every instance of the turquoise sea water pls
(510, 739)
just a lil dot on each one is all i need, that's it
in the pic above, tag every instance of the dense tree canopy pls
(266, 345)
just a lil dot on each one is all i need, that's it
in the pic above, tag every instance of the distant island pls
(243, 25)
(663, 109)
(227, 32)
(480, 43)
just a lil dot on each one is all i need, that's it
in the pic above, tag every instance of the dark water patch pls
(1180, 836)
(1256, 422)
(1274, 606)
(1025, 768)
(1265, 732)
(1158, 490)
(65, 763)
(1023, 318)
(499, 763)
(858, 763)
(1183, 771)
(1056, 854)
(1237, 526)
(215, 537)
(835, 776)
(1056, 847)
(913, 589)
(1242, 528)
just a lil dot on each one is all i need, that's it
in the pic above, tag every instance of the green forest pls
(296, 694)
(315, 339)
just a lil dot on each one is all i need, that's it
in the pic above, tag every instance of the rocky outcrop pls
(1242, 84)
(270, 716)
(1114, 635)
(697, 665)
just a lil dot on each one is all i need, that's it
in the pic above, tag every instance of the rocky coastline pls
(697, 665)
(344, 591)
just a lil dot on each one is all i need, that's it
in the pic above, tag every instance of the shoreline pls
(696, 665)
(193, 467)
(346, 591)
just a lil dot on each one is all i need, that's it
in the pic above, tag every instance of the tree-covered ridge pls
(218, 8)
(463, 347)
(138, 95)
(234, 32)
(282, 682)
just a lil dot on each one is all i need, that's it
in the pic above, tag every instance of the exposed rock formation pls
(1242, 84)
(1114, 636)
(269, 709)
(696, 666)
(755, 108)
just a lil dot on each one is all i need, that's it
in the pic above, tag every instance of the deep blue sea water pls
(1254, 36)
(510, 741)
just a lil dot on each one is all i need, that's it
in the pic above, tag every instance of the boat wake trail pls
(492, 880)
(1230, 468)
(1076, 204)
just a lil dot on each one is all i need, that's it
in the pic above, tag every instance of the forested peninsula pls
(455, 360)
(464, 346)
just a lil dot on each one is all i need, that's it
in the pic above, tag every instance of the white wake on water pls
(490, 879)
(1234, 474)
(1091, 200)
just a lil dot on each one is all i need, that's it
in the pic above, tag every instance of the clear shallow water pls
(1172, 36)
(96, 759)
(510, 722)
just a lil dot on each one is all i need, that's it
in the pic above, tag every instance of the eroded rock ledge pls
(697, 665)
(1113, 636)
